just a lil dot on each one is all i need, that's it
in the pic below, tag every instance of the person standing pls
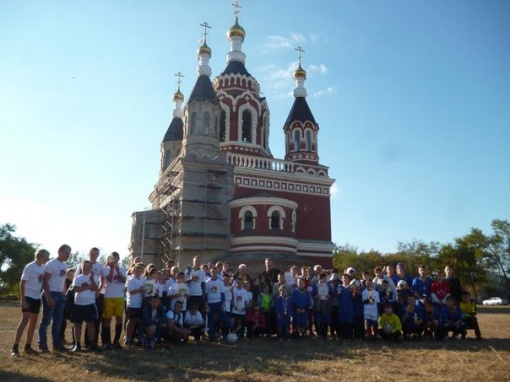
(30, 295)
(53, 300)
(455, 286)
(195, 278)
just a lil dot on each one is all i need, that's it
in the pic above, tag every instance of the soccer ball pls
(231, 338)
(401, 284)
(387, 328)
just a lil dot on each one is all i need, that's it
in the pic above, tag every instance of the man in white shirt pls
(53, 300)
(30, 294)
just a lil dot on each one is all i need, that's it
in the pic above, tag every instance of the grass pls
(268, 360)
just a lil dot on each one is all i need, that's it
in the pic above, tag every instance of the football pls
(401, 284)
(231, 338)
(387, 328)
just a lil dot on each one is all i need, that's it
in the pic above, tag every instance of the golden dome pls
(178, 95)
(299, 72)
(236, 30)
(204, 49)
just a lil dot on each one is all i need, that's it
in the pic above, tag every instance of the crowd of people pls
(166, 306)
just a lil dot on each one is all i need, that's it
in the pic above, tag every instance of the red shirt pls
(441, 290)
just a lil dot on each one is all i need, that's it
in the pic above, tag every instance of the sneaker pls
(30, 350)
(76, 348)
(117, 346)
(44, 348)
(59, 349)
(15, 351)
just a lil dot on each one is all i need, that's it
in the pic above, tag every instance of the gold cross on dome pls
(179, 75)
(237, 7)
(299, 50)
(206, 26)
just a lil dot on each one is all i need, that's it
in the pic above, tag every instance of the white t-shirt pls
(193, 319)
(33, 275)
(181, 290)
(57, 269)
(228, 297)
(239, 300)
(195, 287)
(214, 289)
(86, 297)
(134, 300)
(97, 268)
(115, 288)
(179, 319)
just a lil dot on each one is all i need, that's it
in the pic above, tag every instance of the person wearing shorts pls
(30, 292)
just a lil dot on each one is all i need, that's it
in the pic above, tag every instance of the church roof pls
(300, 112)
(236, 67)
(175, 130)
(203, 90)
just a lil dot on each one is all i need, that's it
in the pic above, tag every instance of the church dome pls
(299, 72)
(204, 49)
(178, 96)
(236, 30)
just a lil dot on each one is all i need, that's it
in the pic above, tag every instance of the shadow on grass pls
(13, 377)
(256, 357)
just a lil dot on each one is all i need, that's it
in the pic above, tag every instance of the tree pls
(419, 253)
(15, 253)
(348, 256)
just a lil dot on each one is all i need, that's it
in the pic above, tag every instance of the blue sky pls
(412, 99)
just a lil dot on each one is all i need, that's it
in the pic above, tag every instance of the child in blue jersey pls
(301, 303)
(412, 319)
(334, 285)
(421, 285)
(346, 313)
(432, 322)
(357, 306)
(452, 318)
(153, 321)
(283, 310)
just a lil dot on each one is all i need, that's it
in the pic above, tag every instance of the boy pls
(194, 321)
(301, 304)
(412, 319)
(452, 318)
(390, 326)
(283, 309)
(30, 294)
(84, 309)
(215, 297)
(135, 293)
(175, 324)
(346, 315)
(421, 285)
(440, 289)
(432, 322)
(179, 292)
(153, 321)
(240, 298)
(468, 308)
(265, 306)
(322, 306)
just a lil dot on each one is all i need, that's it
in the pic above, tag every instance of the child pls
(421, 285)
(179, 292)
(68, 308)
(334, 285)
(175, 324)
(194, 321)
(30, 294)
(432, 322)
(390, 326)
(370, 300)
(153, 321)
(283, 309)
(440, 289)
(134, 298)
(301, 304)
(265, 306)
(227, 287)
(346, 314)
(84, 309)
(322, 306)
(412, 319)
(452, 318)
(255, 321)
(215, 298)
(468, 308)
(240, 298)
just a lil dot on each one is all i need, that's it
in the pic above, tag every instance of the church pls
(220, 193)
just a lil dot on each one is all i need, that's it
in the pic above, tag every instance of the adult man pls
(114, 277)
(97, 271)
(30, 295)
(53, 300)
(455, 287)
(195, 278)
(268, 276)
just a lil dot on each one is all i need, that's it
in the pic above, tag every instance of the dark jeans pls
(53, 315)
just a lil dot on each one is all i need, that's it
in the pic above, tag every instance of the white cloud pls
(334, 190)
(321, 68)
(298, 37)
(273, 43)
(328, 90)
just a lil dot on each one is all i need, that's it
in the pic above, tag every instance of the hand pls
(50, 302)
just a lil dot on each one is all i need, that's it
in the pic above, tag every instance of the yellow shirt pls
(391, 319)
(468, 308)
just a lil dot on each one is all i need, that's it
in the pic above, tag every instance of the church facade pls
(221, 194)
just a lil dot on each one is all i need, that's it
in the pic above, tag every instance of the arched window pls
(246, 137)
(275, 220)
(193, 129)
(206, 123)
(248, 220)
(297, 138)
(308, 140)
(223, 120)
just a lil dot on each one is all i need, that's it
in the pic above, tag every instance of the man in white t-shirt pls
(115, 280)
(85, 287)
(30, 293)
(53, 300)
(135, 290)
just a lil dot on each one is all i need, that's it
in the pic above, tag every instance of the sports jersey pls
(181, 290)
(33, 275)
(114, 288)
(86, 297)
(195, 287)
(213, 290)
(422, 287)
(240, 297)
(439, 290)
(57, 269)
(176, 319)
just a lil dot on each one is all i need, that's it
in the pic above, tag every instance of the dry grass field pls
(268, 360)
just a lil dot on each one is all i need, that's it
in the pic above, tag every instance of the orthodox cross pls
(237, 7)
(299, 50)
(179, 75)
(206, 26)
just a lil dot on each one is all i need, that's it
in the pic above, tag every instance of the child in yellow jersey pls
(390, 325)
(468, 308)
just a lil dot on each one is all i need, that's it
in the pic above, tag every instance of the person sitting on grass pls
(153, 321)
(412, 319)
(468, 308)
(390, 327)
(176, 331)
(432, 321)
(452, 318)
(30, 294)
(194, 321)
(84, 308)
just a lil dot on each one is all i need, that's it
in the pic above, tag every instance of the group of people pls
(171, 305)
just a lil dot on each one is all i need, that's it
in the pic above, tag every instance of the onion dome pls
(178, 96)
(299, 72)
(204, 49)
(236, 31)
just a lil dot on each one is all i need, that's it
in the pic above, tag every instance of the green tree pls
(348, 256)
(418, 253)
(15, 253)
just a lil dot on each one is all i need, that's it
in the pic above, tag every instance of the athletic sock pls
(118, 331)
